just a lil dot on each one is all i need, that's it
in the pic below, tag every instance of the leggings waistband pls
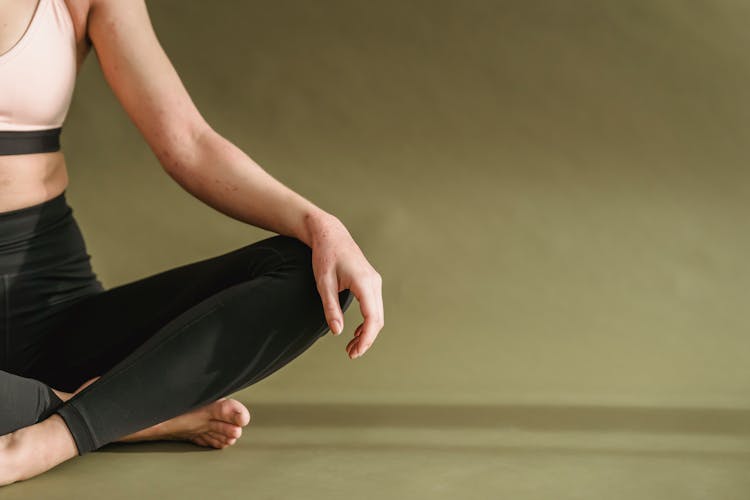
(39, 236)
(42, 213)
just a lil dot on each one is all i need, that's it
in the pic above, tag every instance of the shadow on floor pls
(531, 418)
(525, 417)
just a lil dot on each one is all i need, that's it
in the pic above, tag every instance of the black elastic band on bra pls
(19, 142)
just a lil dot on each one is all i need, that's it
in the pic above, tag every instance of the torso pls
(30, 179)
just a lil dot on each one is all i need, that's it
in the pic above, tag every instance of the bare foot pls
(31, 450)
(218, 425)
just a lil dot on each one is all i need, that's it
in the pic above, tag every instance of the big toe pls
(232, 411)
(228, 431)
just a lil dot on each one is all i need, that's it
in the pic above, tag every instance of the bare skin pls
(37, 448)
(149, 89)
(217, 425)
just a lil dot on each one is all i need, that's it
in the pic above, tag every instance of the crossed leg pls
(216, 425)
(173, 342)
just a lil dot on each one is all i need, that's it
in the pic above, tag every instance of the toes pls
(214, 440)
(210, 440)
(207, 441)
(225, 429)
(201, 441)
(232, 411)
(241, 418)
(227, 440)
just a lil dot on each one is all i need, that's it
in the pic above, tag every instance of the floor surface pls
(435, 452)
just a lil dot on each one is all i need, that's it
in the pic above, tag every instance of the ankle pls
(7, 445)
(59, 434)
(47, 442)
(9, 459)
(34, 449)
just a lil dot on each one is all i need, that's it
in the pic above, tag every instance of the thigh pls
(99, 330)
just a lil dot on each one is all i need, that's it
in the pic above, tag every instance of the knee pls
(296, 253)
(291, 249)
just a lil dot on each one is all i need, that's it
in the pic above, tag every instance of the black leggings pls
(164, 344)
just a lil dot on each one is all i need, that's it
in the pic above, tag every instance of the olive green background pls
(555, 193)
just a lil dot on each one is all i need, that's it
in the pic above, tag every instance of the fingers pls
(355, 341)
(369, 294)
(328, 286)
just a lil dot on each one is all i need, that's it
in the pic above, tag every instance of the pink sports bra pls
(37, 78)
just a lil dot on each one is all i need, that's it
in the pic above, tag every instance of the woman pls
(154, 358)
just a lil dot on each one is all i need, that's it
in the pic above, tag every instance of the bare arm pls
(218, 173)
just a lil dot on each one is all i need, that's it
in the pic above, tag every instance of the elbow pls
(182, 147)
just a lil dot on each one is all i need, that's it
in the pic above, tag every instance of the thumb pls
(329, 294)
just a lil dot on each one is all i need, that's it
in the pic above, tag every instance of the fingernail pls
(336, 327)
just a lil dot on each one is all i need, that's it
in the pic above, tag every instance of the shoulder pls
(86, 15)
(113, 14)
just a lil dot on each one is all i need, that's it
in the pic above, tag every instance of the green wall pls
(555, 193)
